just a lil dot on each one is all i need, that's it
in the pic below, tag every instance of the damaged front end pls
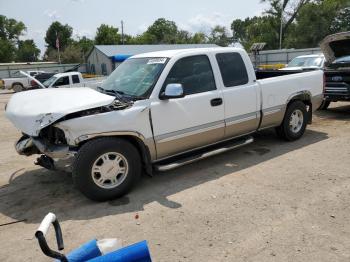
(51, 144)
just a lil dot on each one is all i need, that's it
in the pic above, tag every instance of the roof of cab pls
(172, 53)
(67, 74)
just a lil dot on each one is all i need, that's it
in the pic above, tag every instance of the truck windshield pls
(306, 62)
(342, 60)
(135, 77)
(49, 81)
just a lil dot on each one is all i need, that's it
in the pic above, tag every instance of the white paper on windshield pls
(156, 61)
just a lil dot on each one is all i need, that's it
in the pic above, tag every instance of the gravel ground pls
(269, 201)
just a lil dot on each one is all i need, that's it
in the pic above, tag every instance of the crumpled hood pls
(31, 111)
(335, 46)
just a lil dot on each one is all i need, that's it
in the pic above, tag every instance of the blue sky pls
(86, 15)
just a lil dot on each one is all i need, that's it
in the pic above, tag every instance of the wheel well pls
(304, 97)
(138, 144)
(17, 83)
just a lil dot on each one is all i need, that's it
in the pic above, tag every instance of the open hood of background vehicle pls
(32, 78)
(335, 46)
(31, 111)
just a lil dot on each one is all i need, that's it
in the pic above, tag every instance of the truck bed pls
(262, 74)
(275, 91)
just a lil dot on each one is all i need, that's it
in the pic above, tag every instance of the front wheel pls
(106, 168)
(17, 88)
(294, 122)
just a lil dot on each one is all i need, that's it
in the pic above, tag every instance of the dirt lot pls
(270, 201)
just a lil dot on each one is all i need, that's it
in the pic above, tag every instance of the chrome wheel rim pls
(296, 121)
(109, 170)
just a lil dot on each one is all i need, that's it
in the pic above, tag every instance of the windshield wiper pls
(116, 93)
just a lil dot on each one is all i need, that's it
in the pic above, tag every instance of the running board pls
(212, 151)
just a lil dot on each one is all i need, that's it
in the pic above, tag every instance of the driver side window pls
(194, 73)
(62, 81)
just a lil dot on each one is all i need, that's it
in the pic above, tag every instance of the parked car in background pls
(306, 62)
(159, 110)
(69, 79)
(19, 84)
(337, 72)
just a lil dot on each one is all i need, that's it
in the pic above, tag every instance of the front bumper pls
(62, 157)
(337, 91)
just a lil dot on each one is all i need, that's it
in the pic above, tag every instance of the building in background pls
(103, 59)
(9, 70)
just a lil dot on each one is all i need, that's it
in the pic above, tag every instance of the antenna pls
(122, 23)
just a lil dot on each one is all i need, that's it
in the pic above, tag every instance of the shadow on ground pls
(335, 112)
(32, 194)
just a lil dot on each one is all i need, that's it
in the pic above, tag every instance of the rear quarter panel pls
(276, 92)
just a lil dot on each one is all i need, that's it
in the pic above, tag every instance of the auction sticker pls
(156, 61)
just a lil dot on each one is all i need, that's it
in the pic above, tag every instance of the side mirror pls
(172, 91)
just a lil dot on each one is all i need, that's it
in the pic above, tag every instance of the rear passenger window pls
(194, 73)
(233, 69)
(75, 79)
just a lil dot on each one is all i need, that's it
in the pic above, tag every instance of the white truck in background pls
(160, 111)
(69, 79)
(18, 84)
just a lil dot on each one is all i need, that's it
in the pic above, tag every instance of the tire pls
(96, 162)
(325, 104)
(294, 122)
(17, 88)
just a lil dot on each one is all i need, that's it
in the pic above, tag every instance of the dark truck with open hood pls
(336, 49)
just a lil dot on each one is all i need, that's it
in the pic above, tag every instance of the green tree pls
(27, 51)
(107, 35)
(256, 29)
(316, 20)
(183, 37)
(60, 31)
(7, 51)
(219, 36)
(85, 44)
(72, 54)
(341, 22)
(199, 38)
(162, 31)
(285, 11)
(10, 31)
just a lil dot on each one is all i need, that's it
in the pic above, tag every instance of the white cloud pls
(53, 14)
(204, 23)
(78, 1)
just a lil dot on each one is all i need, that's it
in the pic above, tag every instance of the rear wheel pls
(325, 104)
(17, 88)
(106, 168)
(294, 122)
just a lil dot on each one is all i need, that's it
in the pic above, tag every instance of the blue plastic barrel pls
(137, 252)
(85, 252)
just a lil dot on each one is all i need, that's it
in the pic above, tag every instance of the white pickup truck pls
(159, 111)
(69, 79)
(19, 84)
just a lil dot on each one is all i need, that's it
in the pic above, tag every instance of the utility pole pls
(122, 24)
(281, 26)
(58, 47)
